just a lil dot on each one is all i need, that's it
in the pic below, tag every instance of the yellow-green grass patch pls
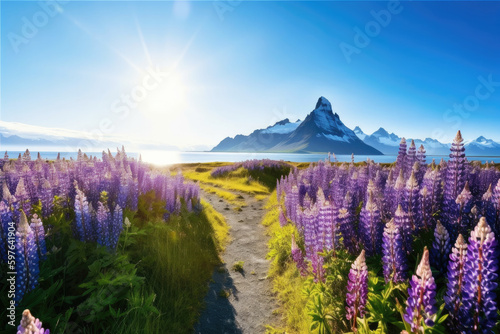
(230, 197)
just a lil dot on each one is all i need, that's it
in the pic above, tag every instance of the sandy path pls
(250, 304)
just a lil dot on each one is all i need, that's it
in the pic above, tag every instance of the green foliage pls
(154, 282)
(110, 280)
(149, 208)
(268, 176)
(224, 293)
(316, 307)
(325, 301)
(280, 248)
(238, 266)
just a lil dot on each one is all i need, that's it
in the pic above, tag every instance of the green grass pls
(261, 197)
(232, 182)
(178, 258)
(230, 197)
(286, 280)
(218, 224)
(238, 266)
(155, 281)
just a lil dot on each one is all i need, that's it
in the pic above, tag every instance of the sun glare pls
(167, 101)
(160, 158)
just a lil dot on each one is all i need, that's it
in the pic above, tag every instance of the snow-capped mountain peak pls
(381, 132)
(321, 131)
(323, 104)
(328, 123)
(361, 135)
(282, 127)
(482, 142)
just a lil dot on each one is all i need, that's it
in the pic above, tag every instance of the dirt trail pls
(250, 304)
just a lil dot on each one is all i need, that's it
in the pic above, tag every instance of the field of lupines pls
(423, 237)
(379, 248)
(250, 165)
(73, 234)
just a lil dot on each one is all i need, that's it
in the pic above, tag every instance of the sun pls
(167, 101)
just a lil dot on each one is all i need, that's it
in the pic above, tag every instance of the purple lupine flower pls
(420, 306)
(441, 248)
(298, 258)
(37, 227)
(421, 155)
(347, 230)
(371, 227)
(307, 202)
(402, 221)
(455, 177)
(411, 158)
(465, 202)
(394, 257)
(318, 270)
(425, 208)
(30, 325)
(27, 261)
(47, 198)
(327, 225)
(430, 196)
(83, 221)
(282, 219)
(123, 190)
(455, 285)
(488, 208)
(401, 159)
(5, 219)
(389, 196)
(480, 281)
(399, 192)
(116, 227)
(6, 194)
(357, 290)
(22, 196)
(310, 222)
(496, 203)
(103, 223)
(411, 204)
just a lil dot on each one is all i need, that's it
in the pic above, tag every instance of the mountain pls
(321, 131)
(19, 136)
(259, 140)
(361, 135)
(482, 147)
(388, 143)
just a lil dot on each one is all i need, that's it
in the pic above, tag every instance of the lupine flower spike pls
(27, 260)
(298, 257)
(440, 247)
(394, 257)
(357, 290)
(420, 308)
(30, 325)
(454, 291)
(480, 281)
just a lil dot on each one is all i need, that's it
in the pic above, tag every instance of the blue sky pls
(224, 68)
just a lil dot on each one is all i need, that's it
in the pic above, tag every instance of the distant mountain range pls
(19, 137)
(321, 131)
(388, 143)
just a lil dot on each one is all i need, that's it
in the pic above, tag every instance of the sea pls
(174, 157)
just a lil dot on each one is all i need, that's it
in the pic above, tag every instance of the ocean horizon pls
(179, 157)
